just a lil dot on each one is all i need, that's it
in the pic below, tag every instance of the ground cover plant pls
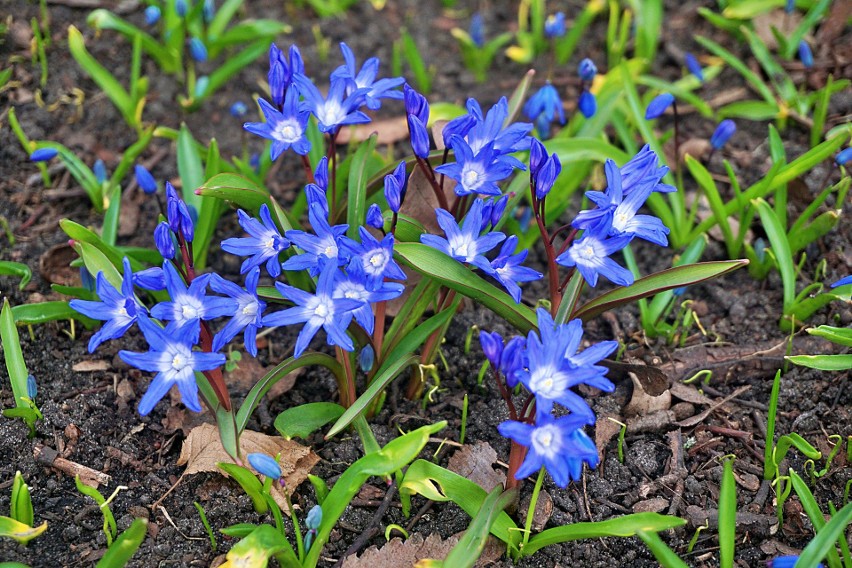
(486, 309)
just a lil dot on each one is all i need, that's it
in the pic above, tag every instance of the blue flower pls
(642, 168)
(543, 107)
(477, 30)
(478, 172)
(163, 240)
(805, 54)
(375, 258)
(557, 444)
(118, 309)
(694, 66)
(353, 286)
(316, 311)
(282, 70)
(842, 282)
(508, 270)
(658, 105)
(153, 279)
(490, 128)
(591, 257)
(464, 243)
(32, 387)
(178, 214)
(723, 133)
(366, 79)
(144, 179)
(366, 358)
(843, 157)
(587, 104)
(43, 154)
(189, 304)
(554, 25)
(248, 312)
(396, 184)
(197, 49)
(587, 69)
(100, 171)
(263, 244)
(326, 243)
(172, 358)
(789, 6)
(543, 169)
(374, 217)
(152, 15)
(286, 129)
(181, 8)
(312, 523)
(335, 110)
(265, 465)
(238, 109)
(786, 562)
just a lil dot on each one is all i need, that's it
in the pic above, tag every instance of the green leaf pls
(233, 65)
(96, 262)
(469, 547)
(811, 507)
(21, 505)
(811, 19)
(15, 365)
(781, 247)
(627, 525)
(757, 111)
(748, 9)
(113, 255)
(732, 60)
(823, 362)
(452, 274)
(359, 174)
(80, 172)
(249, 482)
(166, 58)
(824, 541)
(667, 557)
(727, 516)
(839, 335)
(394, 456)
(655, 283)
(190, 167)
(18, 269)
(303, 420)
(19, 531)
(237, 190)
(255, 549)
(125, 546)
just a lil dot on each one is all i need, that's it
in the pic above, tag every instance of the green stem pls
(531, 509)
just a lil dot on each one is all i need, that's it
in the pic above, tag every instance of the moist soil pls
(90, 416)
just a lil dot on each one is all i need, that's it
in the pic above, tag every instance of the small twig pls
(49, 457)
(370, 529)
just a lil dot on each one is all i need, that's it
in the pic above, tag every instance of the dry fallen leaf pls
(606, 428)
(474, 463)
(202, 450)
(642, 404)
(399, 554)
(390, 131)
(90, 366)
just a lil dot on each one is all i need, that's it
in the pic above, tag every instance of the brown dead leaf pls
(390, 131)
(202, 450)
(605, 430)
(475, 462)
(689, 393)
(698, 148)
(90, 366)
(128, 221)
(55, 268)
(421, 202)
(642, 403)
(399, 554)
(542, 513)
(778, 19)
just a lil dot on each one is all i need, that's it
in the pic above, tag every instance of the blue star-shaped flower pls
(375, 258)
(118, 309)
(354, 286)
(508, 270)
(286, 128)
(263, 244)
(366, 79)
(478, 172)
(172, 358)
(327, 243)
(464, 243)
(335, 110)
(247, 315)
(543, 107)
(591, 257)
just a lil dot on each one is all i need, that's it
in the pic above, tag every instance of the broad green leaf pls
(166, 58)
(249, 482)
(816, 229)
(190, 167)
(655, 283)
(394, 456)
(96, 262)
(758, 111)
(15, 365)
(627, 525)
(256, 548)
(236, 190)
(113, 254)
(823, 362)
(748, 9)
(469, 547)
(19, 531)
(43, 312)
(303, 420)
(21, 505)
(727, 516)
(824, 541)
(840, 335)
(17, 269)
(125, 546)
(438, 484)
(359, 174)
(451, 273)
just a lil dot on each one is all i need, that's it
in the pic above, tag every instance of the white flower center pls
(178, 362)
(331, 251)
(470, 179)
(321, 311)
(250, 309)
(331, 113)
(548, 382)
(547, 440)
(287, 131)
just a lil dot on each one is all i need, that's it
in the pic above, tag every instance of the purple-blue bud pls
(314, 518)
(100, 171)
(163, 240)
(415, 104)
(805, 54)
(790, 6)
(786, 562)
(32, 387)
(265, 465)
(277, 80)
(587, 104)
(152, 15)
(477, 30)
(723, 133)
(842, 282)
(513, 359)
(374, 216)
(238, 109)
(208, 11)
(492, 346)
(321, 174)
(587, 69)
(393, 193)
(419, 137)
(178, 214)
(694, 66)
(254, 162)
(554, 25)
(499, 208)
(543, 169)
(145, 180)
(153, 279)
(487, 207)
(844, 157)
(43, 154)
(366, 358)
(181, 8)
(659, 105)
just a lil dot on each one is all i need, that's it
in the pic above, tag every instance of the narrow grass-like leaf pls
(125, 546)
(80, 172)
(15, 365)
(781, 247)
(21, 505)
(758, 111)
(839, 335)
(727, 516)
(433, 263)
(823, 362)
(303, 420)
(469, 547)
(667, 557)
(811, 507)
(249, 482)
(823, 543)
(166, 58)
(655, 283)
(359, 174)
(811, 19)
(190, 167)
(748, 9)
(17, 269)
(233, 65)
(735, 62)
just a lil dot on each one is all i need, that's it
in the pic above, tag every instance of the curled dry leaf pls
(642, 403)
(399, 554)
(475, 462)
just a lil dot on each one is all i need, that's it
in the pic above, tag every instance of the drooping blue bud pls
(43, 154)
(178, 214)
(587, 104)
(499, 208)
(181, 8)
(587, 69)
(805, 54)
(487, 208)
(844, 157)
(415, 104)
(694, 66)
(144, 179)
(265, 465)
(208, 11)
(152, 15)
(238, 109)
(197, 49)
(396, 184)
(492, 346)
(543, 169)
(659, 105)
(723, 133)
(321, 174)
(374, 216)
(153, 279)
(100, 171)
(366, 358)
(314, 518)
(554, 25)
(163, 240)
(790, 6)
(32, 387)
(419, 137)
(477, 30)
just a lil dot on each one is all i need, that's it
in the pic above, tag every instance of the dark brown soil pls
(91, 422)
